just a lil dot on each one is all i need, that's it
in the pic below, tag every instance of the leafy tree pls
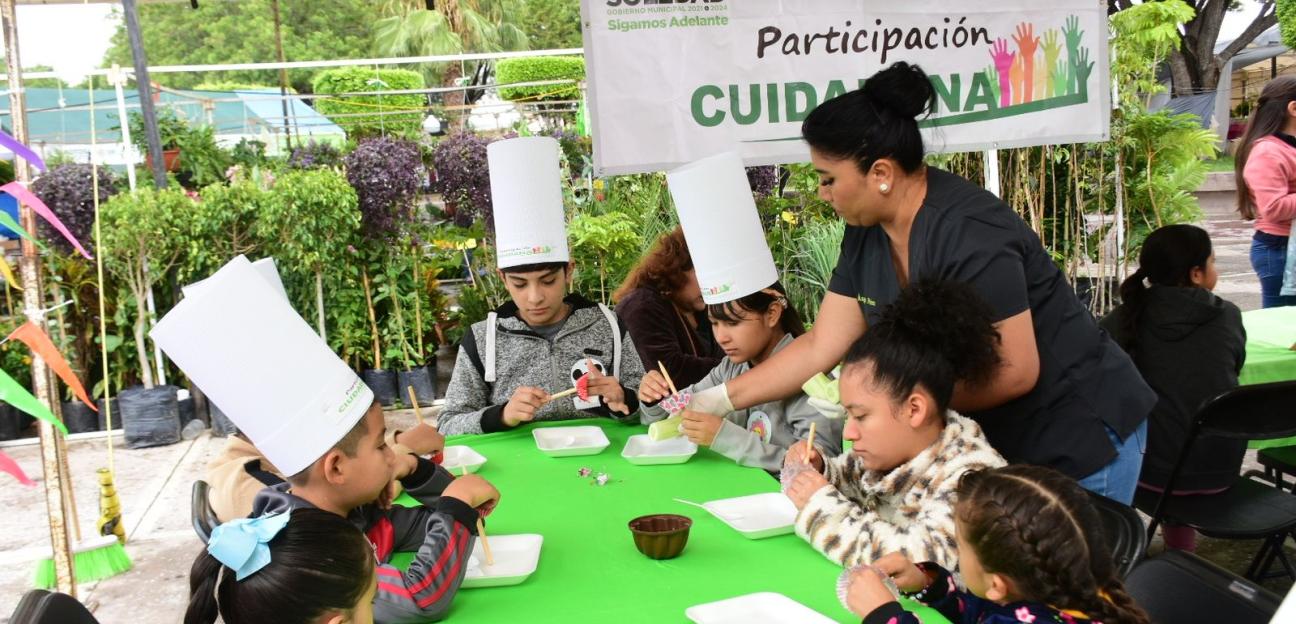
(451, 27)
(552, 24)
(243, 32)
(1194, 65)
(311, 220)
(1287, 22)
(143, 237)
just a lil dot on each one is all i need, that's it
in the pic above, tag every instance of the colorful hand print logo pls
(1025, 75)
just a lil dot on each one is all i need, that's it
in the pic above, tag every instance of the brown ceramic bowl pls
(661, 536)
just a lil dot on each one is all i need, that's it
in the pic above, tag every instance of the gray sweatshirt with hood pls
(523, 357)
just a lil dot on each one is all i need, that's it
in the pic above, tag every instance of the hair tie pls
(242, 545)
(779, 297)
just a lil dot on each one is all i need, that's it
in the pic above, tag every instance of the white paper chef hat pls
(240, 342)
(718, 214)
(265, 267)
(526, 193)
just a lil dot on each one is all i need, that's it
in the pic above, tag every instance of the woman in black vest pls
(1066, 396)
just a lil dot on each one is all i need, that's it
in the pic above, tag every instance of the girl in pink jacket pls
(1266, 184)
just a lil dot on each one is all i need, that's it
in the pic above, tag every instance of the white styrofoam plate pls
(570, 441)
(758, 608)
(458, 458)
(641, 449)
(516, 557)
(756, 516)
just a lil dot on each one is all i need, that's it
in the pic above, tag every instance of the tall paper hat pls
(240, 342)
(526, 193)
(723, 229)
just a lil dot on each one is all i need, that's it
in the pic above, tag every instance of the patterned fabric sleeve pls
(851, 534)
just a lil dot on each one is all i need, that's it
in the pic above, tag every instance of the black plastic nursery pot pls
(10, 422)
(79, 418)
(187, 412)
(150, 416)
(383, 384)
(422, 379)
(221, 425)
(103, 414)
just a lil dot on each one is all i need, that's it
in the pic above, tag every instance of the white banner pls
(672, 81)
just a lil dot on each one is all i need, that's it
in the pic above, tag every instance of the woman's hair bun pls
(903, 89)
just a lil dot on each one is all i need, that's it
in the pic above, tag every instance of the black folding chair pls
(1250, 509)
(201, 512)
(1177, 587)
(1279, 463)
(41, 607)
(1123, 528)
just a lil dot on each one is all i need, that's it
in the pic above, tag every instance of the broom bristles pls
(89, 565)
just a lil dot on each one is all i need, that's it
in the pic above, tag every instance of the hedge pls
(538, 68)
(356, 79)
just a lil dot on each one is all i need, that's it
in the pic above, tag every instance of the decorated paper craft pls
(13, 145)
(7, 464)
(8, 221)
(676, 403)
(582, 387)
(36, 339)
(16, 395)
(843, 582)
(25, 196)
(8, 273)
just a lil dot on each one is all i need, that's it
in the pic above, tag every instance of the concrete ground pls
(154, 484)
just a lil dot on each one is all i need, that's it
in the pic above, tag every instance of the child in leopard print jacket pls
(894, 492)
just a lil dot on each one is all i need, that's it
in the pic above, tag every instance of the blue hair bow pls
(243, 544)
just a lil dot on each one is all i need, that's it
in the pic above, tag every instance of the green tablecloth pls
(1270, 335)
(589, 568)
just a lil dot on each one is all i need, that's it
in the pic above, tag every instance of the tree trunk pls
(141, 350)
(454, 20)
(319, 302)
(451, 99)
(1179, 74)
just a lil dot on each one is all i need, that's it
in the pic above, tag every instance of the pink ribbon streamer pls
(21, 150)
(7, 464)
(25, 196)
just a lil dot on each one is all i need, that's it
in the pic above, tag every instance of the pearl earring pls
(884, 187)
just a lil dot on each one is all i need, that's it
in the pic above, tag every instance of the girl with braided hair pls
(1031, 549)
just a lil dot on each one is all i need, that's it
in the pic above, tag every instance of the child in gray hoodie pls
(749, 329)
(535, 346)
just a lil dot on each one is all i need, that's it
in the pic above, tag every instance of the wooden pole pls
(283, 73)
(33, 301)
(142, 84)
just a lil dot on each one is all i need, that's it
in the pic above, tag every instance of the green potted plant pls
(308, 223)
(387, 175)
(142, 237)
(69, 190)
(171, 130)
